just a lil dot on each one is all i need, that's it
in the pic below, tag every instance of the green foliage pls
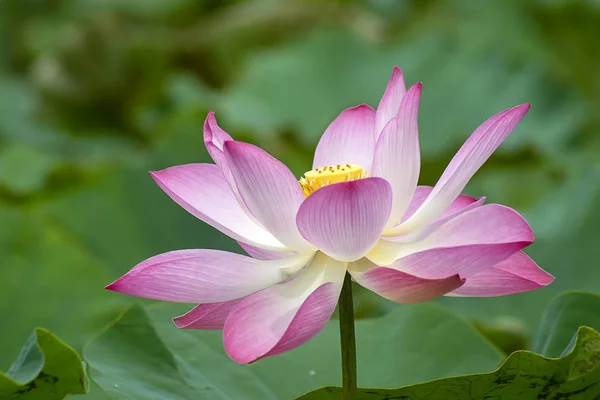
(562, 317)
(524, 375)
(46, 369)
(149, 358)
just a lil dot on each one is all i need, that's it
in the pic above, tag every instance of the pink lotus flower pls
(359, 210)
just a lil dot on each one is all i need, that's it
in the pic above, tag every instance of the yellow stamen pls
(317, 178)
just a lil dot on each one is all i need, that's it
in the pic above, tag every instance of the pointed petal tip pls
(159, 176)
(546, 280)
(415, 90)
(361, 107)
(396, 70)
(396, 78)
(210, 117)
(209, 123)
(113, 287)
(520, 109)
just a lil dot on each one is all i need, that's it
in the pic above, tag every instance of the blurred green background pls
(94, 93)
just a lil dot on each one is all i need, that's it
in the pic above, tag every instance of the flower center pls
(317, 178)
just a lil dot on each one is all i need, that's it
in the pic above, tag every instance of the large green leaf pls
(523, 376)
(135, 359)
(46, 369)
(562, 317)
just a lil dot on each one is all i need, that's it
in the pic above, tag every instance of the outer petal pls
(464, 261)
(516, 274)
(202, 191)
(262, 254)
(204, 276)
(390, 101)
(421, 194)
(349, 139)
(464, 245)
(269, 190)
(471, 156)
(207, 316)
(284, 316)
(345, 220)
(399, 286)
(397, 157)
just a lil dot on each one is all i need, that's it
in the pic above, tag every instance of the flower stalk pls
(347, 339)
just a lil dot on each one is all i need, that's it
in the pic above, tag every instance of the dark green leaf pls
(46, 369)
(523, 376)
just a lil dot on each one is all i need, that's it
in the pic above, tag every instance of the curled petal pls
(210, 316)
(490, 231)
(349, 139)
(402, 287)
(284, 316)
(516, 274)
(204, 276)
(214, 136)
(345, 220)
(397, 157)
(390, 101)
(269, 190)
(203, 192)
(471, 156)
(214, 139)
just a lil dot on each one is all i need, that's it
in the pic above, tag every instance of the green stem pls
(346, 310)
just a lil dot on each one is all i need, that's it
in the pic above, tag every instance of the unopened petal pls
(204, 276)
(471, 156)
(349, 139)
(269, 190)
(202, 191)
(516, 274)
(397, 155)
(345, 220)
(390, 101)
(284, 316)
